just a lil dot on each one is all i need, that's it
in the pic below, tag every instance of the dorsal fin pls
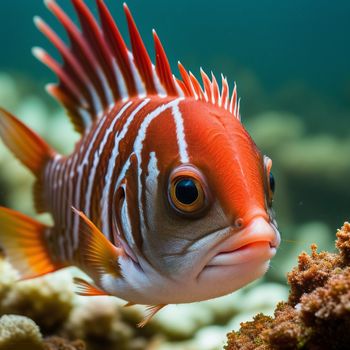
(98, 69)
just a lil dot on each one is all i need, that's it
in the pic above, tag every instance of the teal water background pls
(304, 42)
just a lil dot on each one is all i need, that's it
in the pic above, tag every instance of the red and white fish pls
(165, 199)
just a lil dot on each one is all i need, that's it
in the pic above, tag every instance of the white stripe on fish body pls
(66, 208)
(97, 157)
(79, 174)
(60, 206)
(111, 167)
(54, 175)
(138, 146)
(151, 186)
(61, 172)
(180, 134)
(65, 190)
(126, 224)
(70, 194)
(48, 190)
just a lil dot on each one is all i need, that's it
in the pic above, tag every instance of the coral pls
(312, 272)
(100, 323)
(7, 279)
(48, 303)
(19, 332)
(317, 314)
(303, 236)
(249, 336)
(57, 343)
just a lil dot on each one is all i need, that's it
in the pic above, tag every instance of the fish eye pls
(186, 193)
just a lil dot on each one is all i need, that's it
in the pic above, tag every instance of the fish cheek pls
(177, 245)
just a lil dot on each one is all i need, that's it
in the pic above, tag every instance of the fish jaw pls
(139, 287)
(234, 261)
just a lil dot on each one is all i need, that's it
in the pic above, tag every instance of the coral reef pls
(317, 314)
(48, 304)
(102, 325)
(19, 332)
(22, 333)
(103, 322)
(57, 343)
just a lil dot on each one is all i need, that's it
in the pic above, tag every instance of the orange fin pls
(98, 254)
(27, 146)
(150, 312)
(85, 288)
(24, 241)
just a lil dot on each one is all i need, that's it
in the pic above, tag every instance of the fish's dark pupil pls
(186, 191)
(272, 183)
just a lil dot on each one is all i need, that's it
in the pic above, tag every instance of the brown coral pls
(249, 336)
(57, 343)
(317, 314)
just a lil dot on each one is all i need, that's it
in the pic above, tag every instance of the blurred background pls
(290, 60)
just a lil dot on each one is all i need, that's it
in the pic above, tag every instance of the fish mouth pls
(257, 242)
(254, 251)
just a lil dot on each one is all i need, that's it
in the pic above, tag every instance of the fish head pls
(197, 202)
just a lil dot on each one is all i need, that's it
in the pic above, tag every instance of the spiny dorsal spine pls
(98, 69)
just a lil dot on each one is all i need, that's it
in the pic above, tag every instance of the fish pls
(165, 199)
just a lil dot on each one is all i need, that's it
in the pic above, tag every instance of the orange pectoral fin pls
(98, 254)
(85, 288)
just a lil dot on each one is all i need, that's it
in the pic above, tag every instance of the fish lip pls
(245, 246)
(245, 253)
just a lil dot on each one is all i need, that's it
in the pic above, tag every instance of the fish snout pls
(258, 240)
(260, 229)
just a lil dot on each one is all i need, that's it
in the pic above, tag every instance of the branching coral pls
(317, 314)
